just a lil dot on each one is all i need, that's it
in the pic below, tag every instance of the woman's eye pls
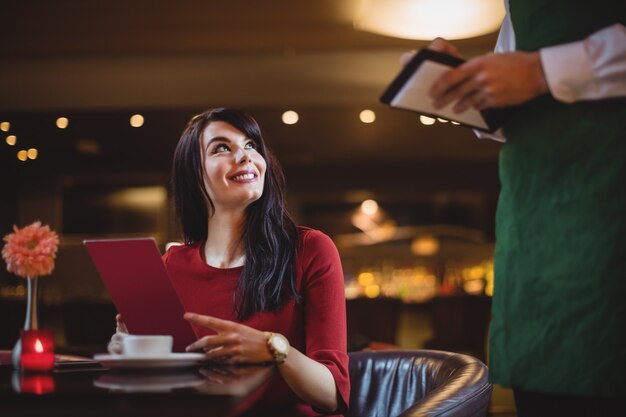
(250, 145)
(221, 148)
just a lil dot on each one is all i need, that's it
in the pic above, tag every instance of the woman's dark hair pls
(270, 236)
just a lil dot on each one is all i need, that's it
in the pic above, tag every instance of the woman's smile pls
(244, 177)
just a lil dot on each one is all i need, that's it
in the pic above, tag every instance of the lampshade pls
(428, 19)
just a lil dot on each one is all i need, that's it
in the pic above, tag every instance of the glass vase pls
(30, 323)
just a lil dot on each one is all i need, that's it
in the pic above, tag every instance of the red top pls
(316, 325)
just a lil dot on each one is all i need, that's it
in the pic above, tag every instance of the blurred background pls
(94, 96)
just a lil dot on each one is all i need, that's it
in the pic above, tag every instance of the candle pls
(37, 350)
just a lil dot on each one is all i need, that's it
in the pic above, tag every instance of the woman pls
(260, 288)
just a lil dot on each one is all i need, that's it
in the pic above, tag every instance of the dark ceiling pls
(98, 62)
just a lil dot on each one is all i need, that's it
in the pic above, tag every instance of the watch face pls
(280, 344)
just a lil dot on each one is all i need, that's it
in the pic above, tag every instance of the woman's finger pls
(120, 326)
(199, 344)
(226, 354)
(115, 345)
(216, 341)
(208, 321)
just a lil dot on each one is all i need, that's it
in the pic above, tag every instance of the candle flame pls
(38, 346)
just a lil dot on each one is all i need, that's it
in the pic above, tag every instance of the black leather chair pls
(409, 383)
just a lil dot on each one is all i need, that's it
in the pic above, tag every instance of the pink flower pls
(30, 252)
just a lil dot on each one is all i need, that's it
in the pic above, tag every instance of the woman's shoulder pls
(318, 259)
(306, 234)
(180, 251)
(313, 240)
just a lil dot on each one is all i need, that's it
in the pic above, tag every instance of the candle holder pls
(37, 350)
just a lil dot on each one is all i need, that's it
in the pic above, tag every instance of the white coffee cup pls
(147, 345)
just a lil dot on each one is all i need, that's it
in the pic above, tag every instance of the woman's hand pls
(233, 343)
(115, 345)
(120, 327)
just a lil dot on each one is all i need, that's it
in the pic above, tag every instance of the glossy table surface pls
(87, 389)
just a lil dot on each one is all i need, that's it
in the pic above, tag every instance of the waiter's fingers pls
(406, 57)
(472, 100)
(443, 46)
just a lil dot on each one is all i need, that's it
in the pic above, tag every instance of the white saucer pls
(173, 360)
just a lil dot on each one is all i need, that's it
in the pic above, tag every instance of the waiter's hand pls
(439, 45)
(233, 343)
(491, 80)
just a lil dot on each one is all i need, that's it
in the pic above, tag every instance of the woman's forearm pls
(310, 380)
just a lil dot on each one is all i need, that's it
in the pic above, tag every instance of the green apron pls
(559, 305)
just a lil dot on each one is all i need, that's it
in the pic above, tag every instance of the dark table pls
(84, 389)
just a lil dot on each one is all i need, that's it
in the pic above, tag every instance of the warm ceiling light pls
(367, 116)
(32, 153)
(11, 140)
(136, 120)
(22, 155)
(290, 117)
(62, 122)
(369, 207)
(427, 120)
(427, 19)
(439, 119)
(455, 123)
(5, 126)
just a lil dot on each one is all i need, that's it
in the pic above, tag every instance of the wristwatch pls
(278, 346)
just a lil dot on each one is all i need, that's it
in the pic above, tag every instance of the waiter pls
(558, 332)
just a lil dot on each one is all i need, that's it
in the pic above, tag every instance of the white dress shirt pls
(590, 69)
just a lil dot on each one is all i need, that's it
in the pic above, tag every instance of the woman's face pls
(234, 172)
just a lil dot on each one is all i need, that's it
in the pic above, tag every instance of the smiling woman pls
(234, 171)
(257, 288)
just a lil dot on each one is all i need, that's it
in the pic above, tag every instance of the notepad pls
(139, 285)
(409, 91)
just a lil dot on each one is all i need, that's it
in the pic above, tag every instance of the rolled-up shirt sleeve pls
(590, 69)
(325, 310)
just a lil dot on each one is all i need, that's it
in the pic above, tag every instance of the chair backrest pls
(405, 383)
